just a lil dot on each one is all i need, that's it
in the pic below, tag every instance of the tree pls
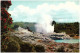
(53, 22)
(6, 20)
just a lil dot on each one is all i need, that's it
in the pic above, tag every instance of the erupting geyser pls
(45, 26)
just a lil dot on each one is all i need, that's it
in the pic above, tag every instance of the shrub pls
(39, 48)
(9, 43)
(27, 47)
(16, 39)
(13, 46)
(60, 49)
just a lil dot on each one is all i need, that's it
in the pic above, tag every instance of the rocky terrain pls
(47, 40)
(33, 37)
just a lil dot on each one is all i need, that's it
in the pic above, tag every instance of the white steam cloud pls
(44, 25)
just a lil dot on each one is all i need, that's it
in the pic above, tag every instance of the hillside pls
(69, 28)
(24, 25)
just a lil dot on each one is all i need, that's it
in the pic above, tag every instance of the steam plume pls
(45, 24)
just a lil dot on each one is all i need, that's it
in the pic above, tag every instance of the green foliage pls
(69, 28)
(13, 46)
(39, 48)
(16, 39)
(6, 20)
(27, 47)
(25, 25)
(10, 43)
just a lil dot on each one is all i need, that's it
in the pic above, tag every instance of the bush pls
(60, 49)
(16, 39)
(39, 48)
(13, 46)
(10, 43)
(27, 47)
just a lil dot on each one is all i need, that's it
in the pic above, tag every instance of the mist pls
(45, 24)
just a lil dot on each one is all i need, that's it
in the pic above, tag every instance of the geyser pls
(45, 25)
(44, 28)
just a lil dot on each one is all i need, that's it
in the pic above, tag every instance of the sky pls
(45, 11)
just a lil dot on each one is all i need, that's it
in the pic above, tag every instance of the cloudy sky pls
(39, 11)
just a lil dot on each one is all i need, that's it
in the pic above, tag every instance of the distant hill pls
(69, 28)
(24, 25)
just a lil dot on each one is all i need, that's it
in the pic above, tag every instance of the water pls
(68, 41)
